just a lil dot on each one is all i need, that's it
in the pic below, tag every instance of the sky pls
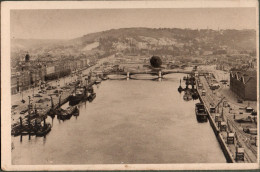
(73, 23)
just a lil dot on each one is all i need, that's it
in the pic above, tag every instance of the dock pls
(230, 137)
(56, 101)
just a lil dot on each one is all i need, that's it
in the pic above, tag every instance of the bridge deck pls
(149, 72)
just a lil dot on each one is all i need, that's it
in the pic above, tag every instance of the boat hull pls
(74, 100)
(91, 97)
(45, 130)
(202, 118)
(201, 113)
(66, 114)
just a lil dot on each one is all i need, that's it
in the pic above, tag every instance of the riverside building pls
(244, 84)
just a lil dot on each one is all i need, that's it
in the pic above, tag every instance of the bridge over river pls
(159, 73)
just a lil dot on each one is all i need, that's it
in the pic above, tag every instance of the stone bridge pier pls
(160, 74)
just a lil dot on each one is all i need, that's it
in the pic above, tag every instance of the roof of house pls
(244, 76)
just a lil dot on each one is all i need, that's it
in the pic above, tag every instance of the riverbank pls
(42, 101)
(241, 139)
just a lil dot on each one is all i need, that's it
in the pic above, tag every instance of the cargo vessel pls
(201, 113)
(79, 95)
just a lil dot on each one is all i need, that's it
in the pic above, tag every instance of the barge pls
(91, 97)
(66, 114)
(201, 113)
(79, 95)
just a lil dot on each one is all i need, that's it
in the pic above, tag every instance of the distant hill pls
(27, 44)
(168, 40)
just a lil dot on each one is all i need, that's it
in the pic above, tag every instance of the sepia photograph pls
(114, 85)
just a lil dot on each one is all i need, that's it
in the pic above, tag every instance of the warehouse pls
(244, 84)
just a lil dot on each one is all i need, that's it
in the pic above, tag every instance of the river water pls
(134, 121)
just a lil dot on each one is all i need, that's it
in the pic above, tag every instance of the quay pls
(231, 139)
(38, 116)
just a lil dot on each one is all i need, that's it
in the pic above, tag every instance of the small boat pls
(201, 113)
(195, 95)
(187, 96)
(91, 97)
(97, 81)
(180, 89)
(104, 78)
(66, 114)
(43, 130)
(17, 131)
(63, 115)
(90, 90)
(76, 112)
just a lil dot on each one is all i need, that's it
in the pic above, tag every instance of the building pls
(14, 84)
(244, 84)
(24, 80)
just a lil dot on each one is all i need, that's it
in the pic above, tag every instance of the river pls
(131, 122)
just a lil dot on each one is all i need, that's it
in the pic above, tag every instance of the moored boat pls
(180, 88)
(91, 97)
(17, 131)
(42, 131)
(187, 96)
(104, 78)
(90, 90)
(98, 81)
(66, 114)
(195, 95)
(201, 113)
(79, 95)
(76, 112)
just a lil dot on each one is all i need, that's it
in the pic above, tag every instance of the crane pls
(219, 102)
(212, 108)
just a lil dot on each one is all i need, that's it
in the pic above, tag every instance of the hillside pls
(163, 41)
